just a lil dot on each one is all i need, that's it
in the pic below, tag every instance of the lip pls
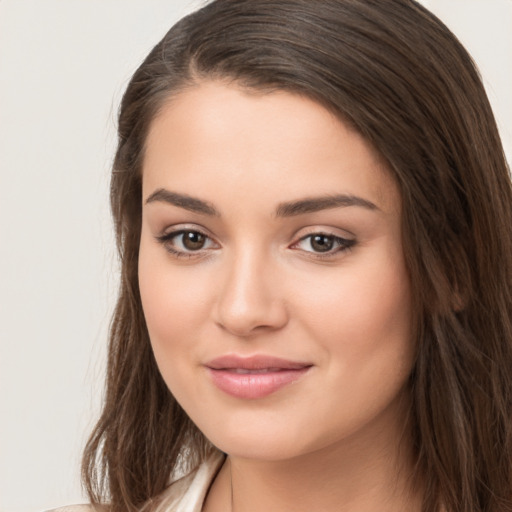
(254, 377)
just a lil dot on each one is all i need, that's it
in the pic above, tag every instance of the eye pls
(191, 240)
(326, 244)
(185, 242)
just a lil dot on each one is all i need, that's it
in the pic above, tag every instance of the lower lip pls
(251, 386)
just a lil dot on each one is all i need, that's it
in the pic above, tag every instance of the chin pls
(272, 449)
(264, 440)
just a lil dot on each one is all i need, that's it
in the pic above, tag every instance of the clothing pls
(188, 493)
(184, 495)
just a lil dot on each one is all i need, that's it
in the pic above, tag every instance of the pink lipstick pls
(254, 377)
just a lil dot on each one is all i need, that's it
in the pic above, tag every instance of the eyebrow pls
(315, 204)
(287, 209)
(183, 201)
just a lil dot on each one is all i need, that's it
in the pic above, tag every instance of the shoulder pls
(184, 495)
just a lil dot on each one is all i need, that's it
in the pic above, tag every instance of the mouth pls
(254, 377)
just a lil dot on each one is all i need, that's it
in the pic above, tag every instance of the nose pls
(250, 299)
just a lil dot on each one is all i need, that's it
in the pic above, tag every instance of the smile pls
(254, 377)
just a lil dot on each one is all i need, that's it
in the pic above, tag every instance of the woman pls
(313, 215)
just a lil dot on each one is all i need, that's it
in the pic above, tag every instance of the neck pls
(372, 472)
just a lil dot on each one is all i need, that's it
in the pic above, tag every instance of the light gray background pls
(63, 67)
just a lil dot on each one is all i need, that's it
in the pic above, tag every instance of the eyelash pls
(344, 244)
(167, 238)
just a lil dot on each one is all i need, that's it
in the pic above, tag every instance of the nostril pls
(249, 301)
(243, 319)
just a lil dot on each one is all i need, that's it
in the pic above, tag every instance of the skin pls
(336, 439)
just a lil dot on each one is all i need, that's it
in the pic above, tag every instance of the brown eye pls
(193, 240)
(187, 243)
(322, 243)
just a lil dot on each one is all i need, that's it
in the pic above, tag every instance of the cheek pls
(175, 301)
(361, 317)
(368, 314)
(361, 322)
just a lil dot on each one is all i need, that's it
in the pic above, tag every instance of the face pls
(272, 273)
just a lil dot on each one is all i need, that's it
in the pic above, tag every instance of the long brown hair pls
(399, 76)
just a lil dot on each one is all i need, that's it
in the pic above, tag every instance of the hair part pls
(395, 73)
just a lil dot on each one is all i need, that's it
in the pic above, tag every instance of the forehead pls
(280, 143)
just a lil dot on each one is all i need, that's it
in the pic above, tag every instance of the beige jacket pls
(185, 495)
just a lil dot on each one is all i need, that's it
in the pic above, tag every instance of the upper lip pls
(256, 362)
